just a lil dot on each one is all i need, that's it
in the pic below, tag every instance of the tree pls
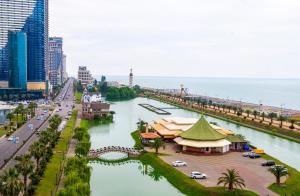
(157, 144)
(263, 115)
(292, 121)
(231, 179)
(10, 116)
(18, 111)
(37, 150)
(278, 171)
(248, 113)
(272, 115)
(255, 113)
(32, 107)
(10, 183)
(25, 168)
(281, 119)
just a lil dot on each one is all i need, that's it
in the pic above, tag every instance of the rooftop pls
(202, 131)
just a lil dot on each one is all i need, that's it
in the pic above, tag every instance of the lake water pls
(128, 179)
(274, 92)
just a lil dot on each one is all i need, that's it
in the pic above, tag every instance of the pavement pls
(257, 178)
(27, 136)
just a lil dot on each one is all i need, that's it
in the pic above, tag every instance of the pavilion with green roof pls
(203, 138)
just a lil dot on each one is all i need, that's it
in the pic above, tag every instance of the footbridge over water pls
(131, 152)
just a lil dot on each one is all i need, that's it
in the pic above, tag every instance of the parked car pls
(247, 154)
(198, 175)
(268, 163)
(254, 156)
(179, 163)
(11, 138)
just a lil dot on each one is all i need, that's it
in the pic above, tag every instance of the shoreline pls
(245, 124)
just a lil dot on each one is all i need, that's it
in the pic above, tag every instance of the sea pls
(283, 93)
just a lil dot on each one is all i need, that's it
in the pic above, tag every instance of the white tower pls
(131, 79)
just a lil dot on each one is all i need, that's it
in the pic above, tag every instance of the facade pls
(56, 60)
(30, 17)
(64, 69)
(84, 75)
(93, 106)
(130, 79)
(17, 53)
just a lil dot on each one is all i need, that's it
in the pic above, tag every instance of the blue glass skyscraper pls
(17, 60)
(30, 17)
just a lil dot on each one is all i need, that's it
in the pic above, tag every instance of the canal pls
(129, 179)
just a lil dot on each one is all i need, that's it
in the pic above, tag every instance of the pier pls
(154, 109)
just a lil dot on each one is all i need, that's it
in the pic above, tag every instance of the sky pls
(198, 38)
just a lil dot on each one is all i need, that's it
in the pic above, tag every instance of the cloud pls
(233, 38)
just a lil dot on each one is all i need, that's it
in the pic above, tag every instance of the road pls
(27, 136)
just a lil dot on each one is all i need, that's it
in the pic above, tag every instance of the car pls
(254, 156)
(179, 163)
(60, 109)
(67, 117)
(45, 111)
(247, 154)
(198, 175)
(268, 163)
(11, 138)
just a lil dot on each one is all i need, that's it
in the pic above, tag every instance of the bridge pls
(131, 152)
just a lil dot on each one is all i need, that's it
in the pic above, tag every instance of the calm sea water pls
(275, 92)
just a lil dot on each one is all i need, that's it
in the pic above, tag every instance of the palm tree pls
(157, 144)
(32, 107)
(231, 179)
(25, 168)
(278, 171)
(10, 183)
(10, 116)
(292, 123)
(255, 113)
(281, 119)
(272, 115)
(248, 113)
(263, 115)
(18, 111)
(37, 150)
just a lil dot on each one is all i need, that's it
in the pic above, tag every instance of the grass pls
(78, 97)
(182, 182)
(3, 131)
(48, 182)
(291, 186)
(179, 180)
(136, 136)
(283, 133)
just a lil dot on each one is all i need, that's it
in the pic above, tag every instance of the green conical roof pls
(202, 131)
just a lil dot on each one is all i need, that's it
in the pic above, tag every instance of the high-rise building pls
(55, 51)
(17, 60)
(84, 75)
(64, 68)
(30, 17)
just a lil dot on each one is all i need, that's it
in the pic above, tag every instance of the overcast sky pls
(211, 38)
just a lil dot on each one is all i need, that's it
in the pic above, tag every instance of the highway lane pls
(7, 148)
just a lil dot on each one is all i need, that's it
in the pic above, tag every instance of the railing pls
(131, 152)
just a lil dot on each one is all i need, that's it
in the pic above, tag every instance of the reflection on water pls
(113, 156)
(129, 178)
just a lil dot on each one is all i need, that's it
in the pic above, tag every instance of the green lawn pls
(182, 182)
(2, 131)
(48, 182)
(78, 97)
(292, 185)
(178, 179)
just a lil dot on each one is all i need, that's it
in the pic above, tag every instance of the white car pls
(10, 138)
(179, 163)
(198, 175)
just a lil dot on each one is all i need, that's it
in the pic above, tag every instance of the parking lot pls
(257, 178)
